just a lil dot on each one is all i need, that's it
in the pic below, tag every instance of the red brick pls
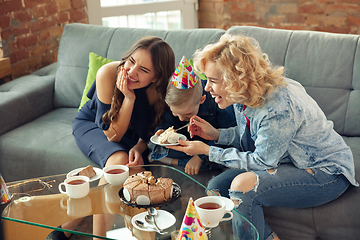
(18, 69)
(21, 30)
(38, 12)
(354, 21)
(78, 4)
(311, 8)
(63, 17)
(5, 21)
(343, 9)
(33, 63)
(42, 24)
(296, 18)
(38, 50)
(34, 3)
(10, 6)
(243, 18)
(47, 59)
(64, 5)
(24, 42)
(76, 15)
(18, 56)
(332, 29)
(44, 35)
(22, 16)
(51, 8)
(56, 32)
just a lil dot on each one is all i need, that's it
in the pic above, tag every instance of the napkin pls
(191, 227)
(184, 76)
(5, 195)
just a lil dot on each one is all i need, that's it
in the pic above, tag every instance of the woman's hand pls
(191, 147)
(203, 129)
(121, 84)
(135, 154)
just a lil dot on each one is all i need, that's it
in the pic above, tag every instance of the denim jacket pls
(290, 127)
(209, 111)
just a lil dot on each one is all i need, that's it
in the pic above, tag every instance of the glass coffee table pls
(37, 202)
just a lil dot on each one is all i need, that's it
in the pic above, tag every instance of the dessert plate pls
(98, 175)
(176, 194)
(164, 220)
(155, 139)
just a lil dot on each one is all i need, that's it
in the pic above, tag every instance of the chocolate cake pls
(143, 189)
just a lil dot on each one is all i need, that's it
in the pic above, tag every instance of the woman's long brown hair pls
(163, 60)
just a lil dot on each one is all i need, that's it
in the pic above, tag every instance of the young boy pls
(186, 97)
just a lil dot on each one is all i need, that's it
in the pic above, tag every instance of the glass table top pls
(103, 214)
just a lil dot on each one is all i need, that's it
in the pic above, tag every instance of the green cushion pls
(95, 62)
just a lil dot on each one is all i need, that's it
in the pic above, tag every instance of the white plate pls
(98, 175)
(228, 202)
(155, 139)
(164, 220)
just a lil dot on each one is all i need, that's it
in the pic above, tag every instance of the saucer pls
(164, 220)
(155, 139)
(228, 202)
(98, 175)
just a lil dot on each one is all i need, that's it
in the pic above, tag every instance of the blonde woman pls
(284, 151)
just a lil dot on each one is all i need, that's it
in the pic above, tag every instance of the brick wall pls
(31, 30)
(339, 16)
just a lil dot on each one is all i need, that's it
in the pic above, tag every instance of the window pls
(155, 14)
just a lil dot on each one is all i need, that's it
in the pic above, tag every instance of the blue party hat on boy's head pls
(184, 76)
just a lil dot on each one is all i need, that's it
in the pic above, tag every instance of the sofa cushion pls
(77, 41)
(44, 146)
(95, 62)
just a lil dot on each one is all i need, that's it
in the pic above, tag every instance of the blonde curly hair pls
(248, 74)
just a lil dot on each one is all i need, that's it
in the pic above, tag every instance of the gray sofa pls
(36, 111)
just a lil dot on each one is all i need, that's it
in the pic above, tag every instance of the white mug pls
(118, 178)
(213, 213)
(75, 187)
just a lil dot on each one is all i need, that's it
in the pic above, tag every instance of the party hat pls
(5, 195)
(184, 76)
(191, 227)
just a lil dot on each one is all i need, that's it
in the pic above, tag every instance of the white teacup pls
(211, 210)
(114, 176)
(80, 207)
(75, 187)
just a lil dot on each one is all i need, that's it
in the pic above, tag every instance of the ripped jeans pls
(287, 186)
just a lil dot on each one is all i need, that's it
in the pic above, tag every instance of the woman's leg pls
(286, 186)
(220, 184)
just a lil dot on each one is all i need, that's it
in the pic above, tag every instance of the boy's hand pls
(203, 129)
(193, 166)
(191, 148)
(160, 131)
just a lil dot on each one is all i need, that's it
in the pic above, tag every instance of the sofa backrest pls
(326, 64)
(78, 40)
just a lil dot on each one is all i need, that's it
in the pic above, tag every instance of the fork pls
(186, 125)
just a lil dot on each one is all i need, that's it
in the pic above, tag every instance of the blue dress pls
(88, 127)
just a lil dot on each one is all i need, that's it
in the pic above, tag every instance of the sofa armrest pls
(26, 98)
